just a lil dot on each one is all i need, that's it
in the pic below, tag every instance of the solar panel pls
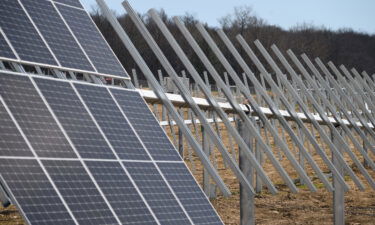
(75, 119)
(146, 125)
(56, 34)
(48, 32)
(113, 123)
(5, 50)
(33, 117)
(35, 195)
(11, 141)
(157, 193)
(22, 34)
(188, 192)
(121, 193)
(56, 186)
(74, 3)
(80, 192)
(92, 42)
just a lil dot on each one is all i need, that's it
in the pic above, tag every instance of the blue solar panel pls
(92, 42)
(121, 193)
(72, 115)
(56, 34)
(97, 188)
(11, 141)
(34, 193)
(188, 192)
(74, 3)
(157, 193)
(5, 50)
(79, 192)
(22, 34)
(146, 125)
(34, 117)
(112, 122)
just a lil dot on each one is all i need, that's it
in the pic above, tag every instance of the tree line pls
(344, 46)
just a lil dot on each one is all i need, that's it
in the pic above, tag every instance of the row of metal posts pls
(331, 104)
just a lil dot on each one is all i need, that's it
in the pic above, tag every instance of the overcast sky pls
(356, 14)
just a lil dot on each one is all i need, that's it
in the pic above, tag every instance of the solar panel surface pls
(146, 125)
(188, 192)
(5, 49)
(76, 121)
(92, 42)
(22, 34)
(112, 121)
(34, 117)
(121, 193)
(127, 187)
(157, 193)
(56, 34)
(80, 192)
(34, 193)
(11, 141)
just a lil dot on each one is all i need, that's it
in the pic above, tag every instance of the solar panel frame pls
(74, 3)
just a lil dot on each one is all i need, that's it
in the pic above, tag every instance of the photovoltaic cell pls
(79, 192)
(92, 42)
(76, 121)
(120, 193)
(33, 117)
(5, 50)
(35, 194)
(145, 124)
(56, 34)
(156, 193)
(112, 122)
(22, 34)
(11, 141)
(188, 192)
(74, 3)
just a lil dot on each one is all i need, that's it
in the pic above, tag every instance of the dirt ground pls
(304, 207)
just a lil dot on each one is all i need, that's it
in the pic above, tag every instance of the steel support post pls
(247, 200)
(234, 104)
(162, 96)
(339, 192)
(205, 89)
(185, 94)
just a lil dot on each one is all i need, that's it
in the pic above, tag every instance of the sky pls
(334, 14)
